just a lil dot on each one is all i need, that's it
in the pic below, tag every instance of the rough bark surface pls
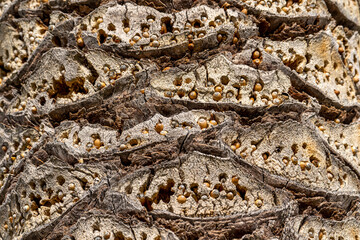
(179, 119)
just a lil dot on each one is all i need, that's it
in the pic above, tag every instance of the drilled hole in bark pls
(241, 190)
(165, 192)
(166, 25)
(101, 36)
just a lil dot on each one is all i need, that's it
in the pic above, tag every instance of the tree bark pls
(179, 119)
